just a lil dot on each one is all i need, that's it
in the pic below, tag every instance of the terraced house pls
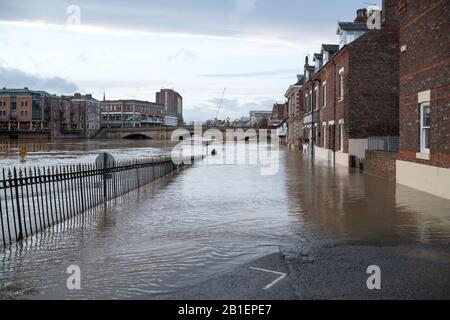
(295, 114)
(351, 89)
(424, 159)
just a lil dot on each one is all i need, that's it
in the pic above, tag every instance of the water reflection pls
(362, 207)
(209, 218)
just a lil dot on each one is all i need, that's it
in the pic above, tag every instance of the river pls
(208, 219)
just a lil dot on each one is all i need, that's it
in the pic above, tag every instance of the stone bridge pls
(165, 133)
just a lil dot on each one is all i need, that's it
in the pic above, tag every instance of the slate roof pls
(351, 26)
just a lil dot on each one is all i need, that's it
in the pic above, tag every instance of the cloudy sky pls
(131, 49)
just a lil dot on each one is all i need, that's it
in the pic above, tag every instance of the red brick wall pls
(335, 108)
(381, 164)
(373, 84)
(425, 65)
(6, 108)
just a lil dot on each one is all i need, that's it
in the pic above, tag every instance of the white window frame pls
(324, 94)
(325, 135)
(423, 127)
(317, 95)
(307, 102)
(341, 137)
(341, 84)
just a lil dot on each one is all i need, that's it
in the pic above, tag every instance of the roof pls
(330, 47)
(301, 80)
(262, 111)
(318, 56)
(25, 91)
(351, 26)
(154, 104)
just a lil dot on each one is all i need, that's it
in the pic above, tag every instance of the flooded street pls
(208, 219)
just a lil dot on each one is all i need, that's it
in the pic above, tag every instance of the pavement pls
(334, 272)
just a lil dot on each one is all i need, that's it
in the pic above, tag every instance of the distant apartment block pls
(80, 115)
(172, 102)
(256, 117)
(26, 113)
(131, 114)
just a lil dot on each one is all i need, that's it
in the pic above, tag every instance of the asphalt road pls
(334, 272)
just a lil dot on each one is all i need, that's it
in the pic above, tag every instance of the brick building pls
(295, 114)
(279, 112)
(36, 114)
(172, 102)
(131, 114)
(424, 161)
(81, 115)
(351, 91)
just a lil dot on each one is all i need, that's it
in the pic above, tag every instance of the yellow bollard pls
(23, 153)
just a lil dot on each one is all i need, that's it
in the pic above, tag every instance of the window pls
(317, 97)
(310, 100)
(341, 84)
(324, 95)
(325, 136)
(307, 102)
(425, 123)
(341, 137)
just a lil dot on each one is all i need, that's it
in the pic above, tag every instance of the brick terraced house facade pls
(353, 93)
(424, 162)
(296, 112)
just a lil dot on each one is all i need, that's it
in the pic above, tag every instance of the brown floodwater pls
(210, 218)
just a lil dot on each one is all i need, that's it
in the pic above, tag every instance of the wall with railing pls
(34, 199)
(388, 144)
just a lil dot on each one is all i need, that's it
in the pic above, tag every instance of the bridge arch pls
(137, 136)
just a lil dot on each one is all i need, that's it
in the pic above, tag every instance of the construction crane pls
(216, 119)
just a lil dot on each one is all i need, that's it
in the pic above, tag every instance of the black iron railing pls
(34, 199)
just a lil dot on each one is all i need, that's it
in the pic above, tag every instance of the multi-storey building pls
(131, 113)
(88, 112)
(27, 113)
(424, 161)
(346, 98)
(172, 102)
(295, 114)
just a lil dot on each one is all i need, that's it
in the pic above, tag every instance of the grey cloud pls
(14, 78)
(251, 74)
(280, 18)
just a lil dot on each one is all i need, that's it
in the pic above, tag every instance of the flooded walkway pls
(210, 219)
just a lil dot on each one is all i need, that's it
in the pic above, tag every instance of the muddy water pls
(210, 218)
(62, 152)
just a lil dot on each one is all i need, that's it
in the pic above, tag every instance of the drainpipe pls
(334, 114)
(313, 107)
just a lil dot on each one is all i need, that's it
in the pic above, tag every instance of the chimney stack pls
(361, 16)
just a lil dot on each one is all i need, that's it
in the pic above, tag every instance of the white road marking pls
(281, 277)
